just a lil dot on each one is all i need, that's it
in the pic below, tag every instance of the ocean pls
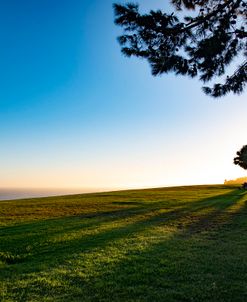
(17, 193)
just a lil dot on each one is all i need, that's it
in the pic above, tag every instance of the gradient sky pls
(74, 112)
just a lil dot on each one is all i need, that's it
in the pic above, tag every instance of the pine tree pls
(241, 158)
(202, 45)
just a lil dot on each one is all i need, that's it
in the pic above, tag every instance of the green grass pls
(170, 244)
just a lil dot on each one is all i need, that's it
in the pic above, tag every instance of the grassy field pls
(170, 244)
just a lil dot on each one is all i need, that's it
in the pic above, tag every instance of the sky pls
(76, 113)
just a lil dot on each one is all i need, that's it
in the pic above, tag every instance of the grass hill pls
(167, 244)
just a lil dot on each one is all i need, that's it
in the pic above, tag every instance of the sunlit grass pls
(171, 244)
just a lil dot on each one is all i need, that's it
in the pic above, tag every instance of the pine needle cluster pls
(201, 45)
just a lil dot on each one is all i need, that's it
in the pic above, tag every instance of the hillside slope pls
(167, 244)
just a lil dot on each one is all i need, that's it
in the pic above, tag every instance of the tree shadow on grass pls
(173, 267)
(207, 265)
(29, 244)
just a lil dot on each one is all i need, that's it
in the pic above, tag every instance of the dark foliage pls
(241, 158)
(202, 45)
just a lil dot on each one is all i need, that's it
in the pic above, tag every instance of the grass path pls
(170, 244)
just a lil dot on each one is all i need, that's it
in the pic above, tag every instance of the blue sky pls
(74, 112)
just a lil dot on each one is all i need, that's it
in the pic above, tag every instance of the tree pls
(202, 45)
(241, 158)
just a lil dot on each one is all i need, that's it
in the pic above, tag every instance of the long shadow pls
(95, 219)
(138, 270)
(133, 208)
(50, 254)
(88, 220)
(197, 267)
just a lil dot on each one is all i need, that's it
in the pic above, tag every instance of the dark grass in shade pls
(167, 244)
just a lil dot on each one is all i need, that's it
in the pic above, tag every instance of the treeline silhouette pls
(236, 181)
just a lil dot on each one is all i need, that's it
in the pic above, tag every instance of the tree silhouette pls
(241, 158)
(202, 45)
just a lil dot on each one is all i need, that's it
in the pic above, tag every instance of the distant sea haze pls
(17, 193)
